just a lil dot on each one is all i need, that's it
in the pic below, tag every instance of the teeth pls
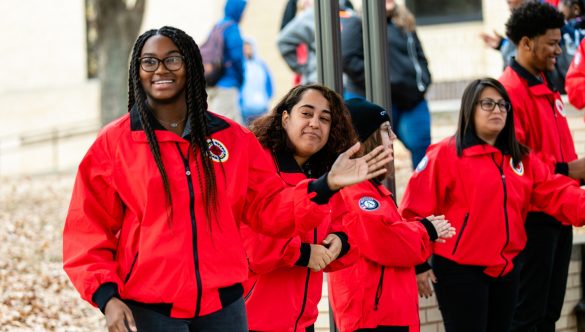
(163, 82)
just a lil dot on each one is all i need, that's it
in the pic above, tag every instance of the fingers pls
(130, 323)
(352, 150)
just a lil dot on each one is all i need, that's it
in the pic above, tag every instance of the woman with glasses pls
(484, 182)
(152, 234)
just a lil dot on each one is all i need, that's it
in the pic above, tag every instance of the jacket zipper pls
(379, 289)
(503, 176)
(193, 228)
(306, 286)
(131, 268)
(460, 233)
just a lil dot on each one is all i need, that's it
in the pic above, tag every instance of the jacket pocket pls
(465, 219)
(131, 268)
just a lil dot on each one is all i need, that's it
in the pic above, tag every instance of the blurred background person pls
(409, 76)
(223, 98)
(258, 87)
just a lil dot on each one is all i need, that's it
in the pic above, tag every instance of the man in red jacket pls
(541, 124)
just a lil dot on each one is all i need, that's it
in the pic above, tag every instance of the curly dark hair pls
(196, 100)
(342, 136)
(533, 19)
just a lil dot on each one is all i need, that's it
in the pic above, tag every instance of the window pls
(445, 11)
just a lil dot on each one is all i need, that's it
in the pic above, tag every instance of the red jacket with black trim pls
(380, 290)
(486, 198)
(121, 239)
(575, 80)
(539, 118)
(282, 293)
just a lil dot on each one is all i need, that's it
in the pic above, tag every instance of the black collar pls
(528, 77)
(471, 139)
(286, 163)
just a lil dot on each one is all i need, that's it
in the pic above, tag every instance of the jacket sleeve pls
(557, 195)
(379, 237)
(93, 221)
(300, 30)
(424, 193)
(422, 60)
(575, 80)
(266, 254)
(275, 209)
(234, 46)
(349, 254)
(352, 51)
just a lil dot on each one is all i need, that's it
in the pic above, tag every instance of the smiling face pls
(542, 51)
(307, 125)
(489, 124)
(162, 86)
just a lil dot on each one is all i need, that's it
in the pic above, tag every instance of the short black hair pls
(533, 19)
(579, 3)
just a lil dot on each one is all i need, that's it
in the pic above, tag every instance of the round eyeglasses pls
(171, 63)
(489, 105)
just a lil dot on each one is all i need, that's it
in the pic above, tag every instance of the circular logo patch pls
(560, 107)
(368, 204)
(217, 151)
(518, 169)
(422, 164)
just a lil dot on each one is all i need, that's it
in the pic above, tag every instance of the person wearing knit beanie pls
(366, 117)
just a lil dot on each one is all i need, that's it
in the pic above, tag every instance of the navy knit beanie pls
(366, 117)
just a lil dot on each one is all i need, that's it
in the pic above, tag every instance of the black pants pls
(470, 300)
(231, 318)
(544, 267)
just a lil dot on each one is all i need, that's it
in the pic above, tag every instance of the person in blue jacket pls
(257, 89)
(225, 95)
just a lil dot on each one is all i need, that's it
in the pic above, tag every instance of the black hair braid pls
(137, 98)
(196, 100)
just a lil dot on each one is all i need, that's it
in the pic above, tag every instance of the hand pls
(442, 227)
(577, 169)
(333, 243)
(119, 317)
(423, 282)
(320, 257)
(492, 41)
(346, 171)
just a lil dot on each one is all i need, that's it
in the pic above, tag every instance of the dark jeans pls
(470, 300)
(413, 128)
(231, 318)
(544, 269)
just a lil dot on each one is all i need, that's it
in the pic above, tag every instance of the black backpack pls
(212, 54)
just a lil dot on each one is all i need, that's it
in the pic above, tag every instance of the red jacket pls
(380, 290)
(575, 80)
(486, 199)
(118, 237)
(282, 293)
(539, 118)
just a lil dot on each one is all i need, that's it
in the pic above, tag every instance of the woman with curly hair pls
(304, 133)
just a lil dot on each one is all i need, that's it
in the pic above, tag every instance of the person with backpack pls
(152, 232)
(225, 42)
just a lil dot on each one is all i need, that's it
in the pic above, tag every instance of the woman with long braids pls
(304, 133)
(151, 237)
